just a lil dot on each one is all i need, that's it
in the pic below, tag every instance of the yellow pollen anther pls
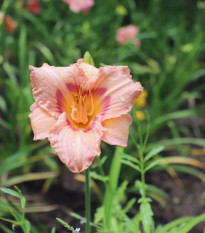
(92, 105)
(79, 107)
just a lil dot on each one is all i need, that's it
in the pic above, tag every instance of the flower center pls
(82, 106)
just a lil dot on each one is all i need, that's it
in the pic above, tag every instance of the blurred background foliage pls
(170, 63)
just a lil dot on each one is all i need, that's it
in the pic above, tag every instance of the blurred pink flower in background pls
(34, 7)
(79, 5)
(10, 24)
(128, 34)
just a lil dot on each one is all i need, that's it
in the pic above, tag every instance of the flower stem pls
(87, 201)
(142, 168)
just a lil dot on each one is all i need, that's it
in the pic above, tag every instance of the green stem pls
(111, 187)
(142, 169)
(141, 150)
(87, 201)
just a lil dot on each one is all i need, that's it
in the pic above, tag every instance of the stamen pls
(80, 91)
(79, 111)
(92, 105)
(84, 113)
(74, 114)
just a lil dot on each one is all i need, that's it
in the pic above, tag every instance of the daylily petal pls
(120, 90)
(76, 148)
(41, 122)
(89, 70)
(117, 130)
(90, 73)
(48, 81)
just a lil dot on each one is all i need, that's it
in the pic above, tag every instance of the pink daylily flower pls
(128, 34)
(34, 7)
(10, 24)
(79, 5)
(78, 106)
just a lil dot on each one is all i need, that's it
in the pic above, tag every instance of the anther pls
(92, 105)
(79, 112)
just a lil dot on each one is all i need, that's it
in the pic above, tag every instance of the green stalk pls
(87, 201)
(4, 8)
(142, 171)
(22, 54)
(112, 186)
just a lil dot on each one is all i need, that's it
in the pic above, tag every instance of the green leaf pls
(88, 59)
(181, 225)
(22, 198)
(129, 158)
(153, 152)
(15, 160)
(98, 217)
(45, 51)
(27, 226)
(156, 190)
(111, 186)
(136, 221)
(192, 223)
(4, 124)
(77, 216)
(3, 105)
(5, 229)
(37, 24)
(17, 194)
(22, 54)
(129, 205)
(130, 164)
(189, 170)
(121, 191)
(11, 72)
(29, 176)
(96, 176)
(65, 224)
(10, 192)
(177, 141)
(138, 185)
(8, 220)
(153, 164)
(146, 215)
(13, 226)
